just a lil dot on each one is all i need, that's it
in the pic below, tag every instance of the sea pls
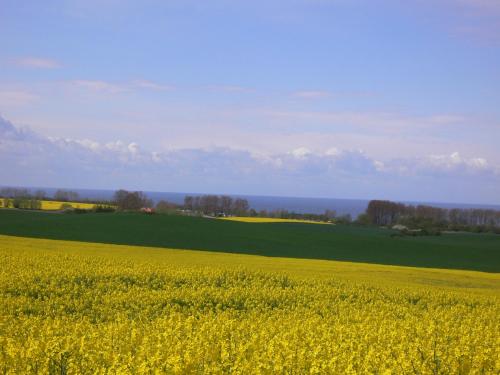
(353, 207)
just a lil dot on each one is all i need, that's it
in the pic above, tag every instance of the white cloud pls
(442, 165)
(91, 145)
(10, 132)
(333, 151)
(155, 156)
(301, 171)
(133, 148)
(301, 152)
(36, 62)
(379, 166)
(456, 161)
(7, 130)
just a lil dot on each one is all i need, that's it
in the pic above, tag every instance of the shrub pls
(66, 207)
(25, 203)
(166, 207)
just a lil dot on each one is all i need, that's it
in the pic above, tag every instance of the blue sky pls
(330, 98)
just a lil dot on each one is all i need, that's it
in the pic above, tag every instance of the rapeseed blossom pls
(70, 307)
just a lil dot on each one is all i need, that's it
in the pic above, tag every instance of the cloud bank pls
(31, 159)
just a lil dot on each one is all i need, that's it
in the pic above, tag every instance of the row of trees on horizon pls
(378, 212)
(25, 199)
(387, 213)
(216, 205)
(59, 195)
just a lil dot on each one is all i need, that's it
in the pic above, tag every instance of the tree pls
(66, 196)
(35, 204)
(25, 203)
(384, 212)
(126, 200)
(432, 218)
(165, 206)
(344, 219)
(17, 203)
(40, 194)
(330, 214)
(66, 207)
(120, 196)
(363, 219)
(209, 204)
(60, 195)
(196, 204)
(240, 206)
(225, 204)
(10, 192)
(188, 203)
(216, 205)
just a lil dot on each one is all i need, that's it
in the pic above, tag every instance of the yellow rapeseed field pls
(269, 220)
(81, 308)
(56, 205)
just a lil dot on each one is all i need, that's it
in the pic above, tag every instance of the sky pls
(315, 98)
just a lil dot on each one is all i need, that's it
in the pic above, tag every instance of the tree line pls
(23, 198)
(131, 200)
(23, 203)
(378, 212)
(60, 195)
(387, 213)
(224, 205)
(11, 192)
(124, 200)
(216, 205)
(328, 215)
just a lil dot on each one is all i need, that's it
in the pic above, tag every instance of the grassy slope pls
(369, 245)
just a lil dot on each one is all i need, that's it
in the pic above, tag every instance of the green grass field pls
(347, 243)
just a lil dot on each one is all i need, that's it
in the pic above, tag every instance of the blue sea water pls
(353, 207)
